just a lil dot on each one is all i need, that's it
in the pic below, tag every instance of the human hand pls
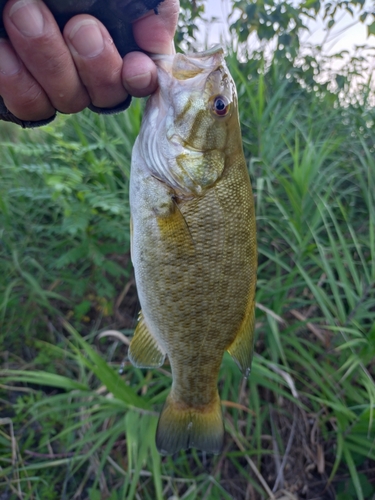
(42, 70)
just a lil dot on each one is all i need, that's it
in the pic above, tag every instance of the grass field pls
(77, 421)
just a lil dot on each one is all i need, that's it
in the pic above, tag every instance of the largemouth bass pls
(193, 243)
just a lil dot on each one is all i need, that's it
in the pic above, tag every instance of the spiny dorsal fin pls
(241, 348)
(144, 351)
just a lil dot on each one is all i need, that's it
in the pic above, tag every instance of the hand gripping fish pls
(193, 243)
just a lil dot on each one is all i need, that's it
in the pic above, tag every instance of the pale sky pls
(347, 33)
(356, 35)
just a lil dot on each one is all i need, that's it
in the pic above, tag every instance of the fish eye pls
(220, 105)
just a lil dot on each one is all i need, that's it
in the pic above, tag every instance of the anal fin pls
(242, 347)
(144, 351)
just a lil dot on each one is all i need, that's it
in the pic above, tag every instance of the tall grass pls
(79, 423)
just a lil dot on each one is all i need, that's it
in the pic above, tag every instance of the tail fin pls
(181, 427)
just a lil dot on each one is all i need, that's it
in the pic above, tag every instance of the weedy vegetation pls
(77, 421)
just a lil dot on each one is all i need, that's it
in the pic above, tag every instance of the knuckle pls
(105, 87)
(111, 78)
(31, 97)
(56, 63)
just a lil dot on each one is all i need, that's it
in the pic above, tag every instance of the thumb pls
(154, 33)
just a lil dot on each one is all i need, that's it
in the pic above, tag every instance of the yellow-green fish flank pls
(193, 243)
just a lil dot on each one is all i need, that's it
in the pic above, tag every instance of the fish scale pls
(193, 245)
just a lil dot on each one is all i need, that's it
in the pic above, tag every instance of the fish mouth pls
(194, 150)
(177, 141)
(189, 66)
(215, 49)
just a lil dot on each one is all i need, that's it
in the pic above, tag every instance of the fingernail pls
(9, 62)
(27, 17)
(87, 39)
(141, 81)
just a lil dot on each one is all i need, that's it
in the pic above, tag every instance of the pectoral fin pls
(241, 348)
(144, 351)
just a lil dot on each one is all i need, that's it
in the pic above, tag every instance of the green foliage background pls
(76, 422)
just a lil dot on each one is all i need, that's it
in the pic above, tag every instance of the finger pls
(22, 95)
(155, 33)
(98, 62)
(139, 75)
(38, 42)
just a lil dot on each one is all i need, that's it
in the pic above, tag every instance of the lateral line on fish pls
(223, 245)
(221, 274)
